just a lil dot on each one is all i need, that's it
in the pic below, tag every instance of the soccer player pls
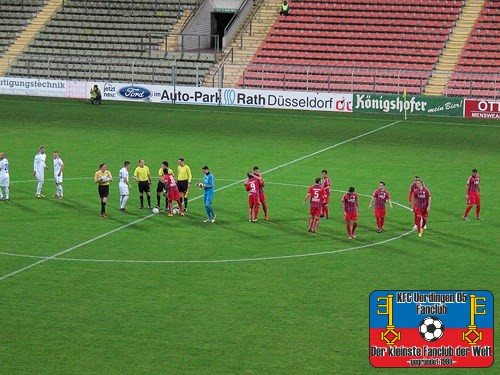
(58, 175)
(39, 170)
(350, 208)
(143, 178)
(124, 185)
(421, 206)
(413, 187)
(184, 177)
(472, 194)
(103, 177)
(262, 196)
(208, 193)
(160, 188)
(172, 192)
(380, 196)
(252, 185)
(327, 184)
(316, 196)
(4, 177)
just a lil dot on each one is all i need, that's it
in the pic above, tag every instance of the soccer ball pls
(155, 210)
(104, 178)
(431, 329)
(176, 211)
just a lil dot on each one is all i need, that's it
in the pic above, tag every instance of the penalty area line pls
(29, 266)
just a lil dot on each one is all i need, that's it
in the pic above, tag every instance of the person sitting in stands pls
(285, 8)
(95, 95)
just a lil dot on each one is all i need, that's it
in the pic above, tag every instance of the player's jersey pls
(208, 181)
(381, 196)
(39, 163)
(124, 175)
(317, 195)
(170, 183)
(4, 167)
(58, 163)
(142, 173)
(350, 202)
(261, 181)
(327, 184)
(98, 176)
(184, 173)
(422, 198)
(253, 186)
(473, 184)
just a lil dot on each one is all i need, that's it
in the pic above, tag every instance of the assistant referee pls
(183, 180)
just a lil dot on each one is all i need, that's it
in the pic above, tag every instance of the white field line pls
(20, 270)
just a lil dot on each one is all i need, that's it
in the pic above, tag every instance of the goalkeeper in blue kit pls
(208, 194)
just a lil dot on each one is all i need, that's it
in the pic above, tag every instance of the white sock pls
(39, 188)
(6, 192)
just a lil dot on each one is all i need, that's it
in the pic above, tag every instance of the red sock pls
(325, 210)
(348, 226)
(478, 209)
(354, 226)
(467, 210)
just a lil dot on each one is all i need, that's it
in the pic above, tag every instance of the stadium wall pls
(308, 100)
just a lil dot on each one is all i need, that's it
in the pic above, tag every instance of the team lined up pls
(419, 198)
(177, 190)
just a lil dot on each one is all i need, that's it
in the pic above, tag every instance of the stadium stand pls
(354, 45)
(14, 16)
(115, 40)
(477, 73)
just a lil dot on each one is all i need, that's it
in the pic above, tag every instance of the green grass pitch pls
(146, 294)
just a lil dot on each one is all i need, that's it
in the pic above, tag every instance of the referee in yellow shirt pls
(143, 178)
(183, 181)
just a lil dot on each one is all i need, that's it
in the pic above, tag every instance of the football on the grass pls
(155, 210)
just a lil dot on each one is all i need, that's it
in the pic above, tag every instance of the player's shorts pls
(40, 176)
(4, 180)
(123, 188)
(253, 199)
(160, 187)
(351, 216)
(208, 197)
(474, 198)
(103, 190)
(315, 211)
(421, 212)
(58, 179)
(173, 194)
(380, 212)
(144, 187)
(182, 186)
(262, 196)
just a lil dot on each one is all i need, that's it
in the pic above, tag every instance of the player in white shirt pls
(124, 186)
(4, 177)
(58, 175)
(39, 170)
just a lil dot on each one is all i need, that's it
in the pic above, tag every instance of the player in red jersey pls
(252, 185)
(472, 194)
(262, 195)
(316, 196)
(421, 206)
(171, 191)
(380, 196)
(328, 186)
(413, 187)
(350, 207)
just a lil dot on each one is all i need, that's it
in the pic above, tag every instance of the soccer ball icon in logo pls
(431, 329)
